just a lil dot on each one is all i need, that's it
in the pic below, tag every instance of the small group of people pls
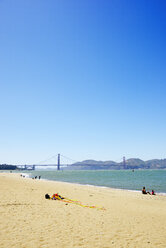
(147, 192)
(54, 197)
(36, 177)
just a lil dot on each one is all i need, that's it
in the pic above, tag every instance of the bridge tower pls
(58, 166)
(124, 163)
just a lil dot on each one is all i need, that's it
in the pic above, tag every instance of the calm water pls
(121, 179)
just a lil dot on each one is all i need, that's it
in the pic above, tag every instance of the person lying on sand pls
(54, 197)
(144, 191)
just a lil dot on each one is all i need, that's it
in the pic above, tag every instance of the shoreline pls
(83, 186)
(102, 187)
(92, 185)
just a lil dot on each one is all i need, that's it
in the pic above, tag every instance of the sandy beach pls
(28, 220)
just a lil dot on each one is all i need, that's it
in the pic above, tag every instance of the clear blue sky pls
(83, 78)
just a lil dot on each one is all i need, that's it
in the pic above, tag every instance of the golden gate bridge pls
(58, 164)
(41, 163)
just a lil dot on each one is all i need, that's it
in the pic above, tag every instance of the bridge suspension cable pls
(68, 158)
(56, 156)
(43, 161)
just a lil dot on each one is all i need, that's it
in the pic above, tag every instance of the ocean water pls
(119, 179)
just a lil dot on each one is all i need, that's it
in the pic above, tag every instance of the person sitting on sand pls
(153, 193)
(144, 191)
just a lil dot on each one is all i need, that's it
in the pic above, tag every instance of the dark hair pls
(47, 196)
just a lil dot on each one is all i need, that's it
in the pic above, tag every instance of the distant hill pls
(132, 163)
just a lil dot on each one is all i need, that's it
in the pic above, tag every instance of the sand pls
(28, 220)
